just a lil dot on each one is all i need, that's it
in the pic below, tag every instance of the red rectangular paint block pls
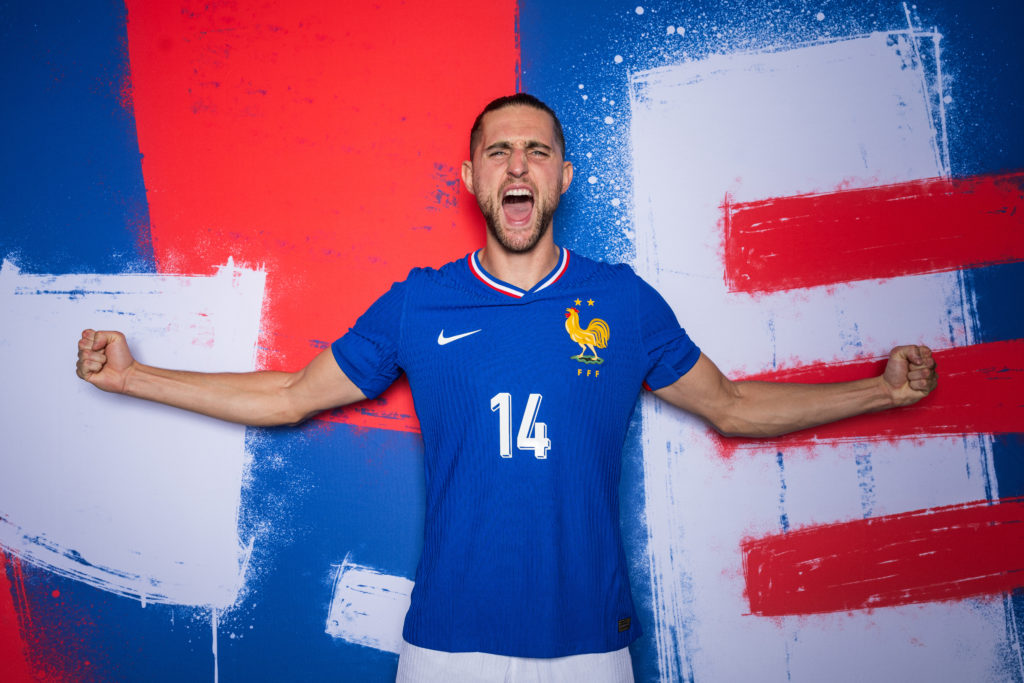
(320, 141)
(945, 553)
(922, 226)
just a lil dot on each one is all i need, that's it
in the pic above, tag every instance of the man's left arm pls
(758, 409)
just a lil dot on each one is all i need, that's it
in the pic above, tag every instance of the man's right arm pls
(251, 398)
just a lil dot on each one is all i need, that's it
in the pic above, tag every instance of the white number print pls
(533, 435)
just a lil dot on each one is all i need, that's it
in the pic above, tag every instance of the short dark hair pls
(521, 99)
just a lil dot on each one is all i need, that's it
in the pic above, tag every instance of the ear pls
(467, 176)
(566, 175)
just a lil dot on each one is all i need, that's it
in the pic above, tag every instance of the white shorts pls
(420, 665)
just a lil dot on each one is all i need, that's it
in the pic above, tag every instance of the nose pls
(517, 163)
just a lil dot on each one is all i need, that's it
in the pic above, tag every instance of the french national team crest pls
(590, 338)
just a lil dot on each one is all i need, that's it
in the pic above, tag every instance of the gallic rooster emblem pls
(594, 336)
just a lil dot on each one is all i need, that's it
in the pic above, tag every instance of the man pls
(524, 398)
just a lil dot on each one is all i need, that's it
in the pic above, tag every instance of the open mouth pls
(517, 204)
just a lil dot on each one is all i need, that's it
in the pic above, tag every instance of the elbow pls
(727, 426)
(739, 417)
(726, 414)
(726, 417)
(293, 414)
(734, 427)
(287, 408)
(731, 421)
(278, 418)
(720, 418)
(291, 420)
(283, 418)
(297, 418)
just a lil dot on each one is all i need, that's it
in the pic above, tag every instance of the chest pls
(567, 345)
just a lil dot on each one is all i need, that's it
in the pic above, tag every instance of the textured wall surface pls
(232, 184)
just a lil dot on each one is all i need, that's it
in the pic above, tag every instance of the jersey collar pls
(511, 290)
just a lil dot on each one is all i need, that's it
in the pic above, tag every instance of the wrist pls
(888, 395)
(133, 378)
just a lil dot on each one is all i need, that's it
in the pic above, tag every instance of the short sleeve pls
(368, 352)
(670, 350)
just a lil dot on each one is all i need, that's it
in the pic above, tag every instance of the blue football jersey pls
(524, 399)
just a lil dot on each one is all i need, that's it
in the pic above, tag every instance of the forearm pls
(252, 398)
(760, 409)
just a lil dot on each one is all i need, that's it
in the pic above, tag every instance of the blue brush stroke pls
(1009, 465)
(865, 479)
(92, 635)
(72, 198)
(783, 515)
(634, 539)
(1007, 452)
(994, 295)
(316, 494)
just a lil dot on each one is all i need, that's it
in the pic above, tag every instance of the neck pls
(523, 270)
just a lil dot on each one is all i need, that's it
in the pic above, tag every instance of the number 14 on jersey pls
(533, 435)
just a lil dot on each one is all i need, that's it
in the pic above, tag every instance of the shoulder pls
(621, 274)
(631, 289)
(451, 270)
(425, 275)
(449, 283)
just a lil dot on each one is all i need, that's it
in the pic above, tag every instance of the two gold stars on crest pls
(590, 302)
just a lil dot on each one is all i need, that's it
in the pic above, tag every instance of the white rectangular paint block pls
(131, 497)
(368, 607)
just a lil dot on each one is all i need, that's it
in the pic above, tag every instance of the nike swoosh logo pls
(442, 340)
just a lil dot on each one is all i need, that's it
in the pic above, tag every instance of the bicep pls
(703, 391)
(322, 385)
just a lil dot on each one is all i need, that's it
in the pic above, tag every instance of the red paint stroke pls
(979, 391)
(923, 226)
(320, 140)
(14, 664)
(945, 553)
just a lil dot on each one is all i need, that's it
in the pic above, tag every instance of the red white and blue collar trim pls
(512, 290)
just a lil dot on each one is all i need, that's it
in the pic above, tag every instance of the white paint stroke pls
(132, 497)
(213, 645)
(935, 93)
(368, 606)
(850, 112)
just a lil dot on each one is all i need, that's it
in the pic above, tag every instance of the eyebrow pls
(530, 144)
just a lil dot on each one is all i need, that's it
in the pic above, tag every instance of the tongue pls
(517, 210)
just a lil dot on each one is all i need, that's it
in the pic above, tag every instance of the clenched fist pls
(104, 360)
(910, 374)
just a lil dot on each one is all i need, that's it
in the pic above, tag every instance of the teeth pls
(519, 192)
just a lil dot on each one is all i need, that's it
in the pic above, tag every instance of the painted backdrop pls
(233, 183)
